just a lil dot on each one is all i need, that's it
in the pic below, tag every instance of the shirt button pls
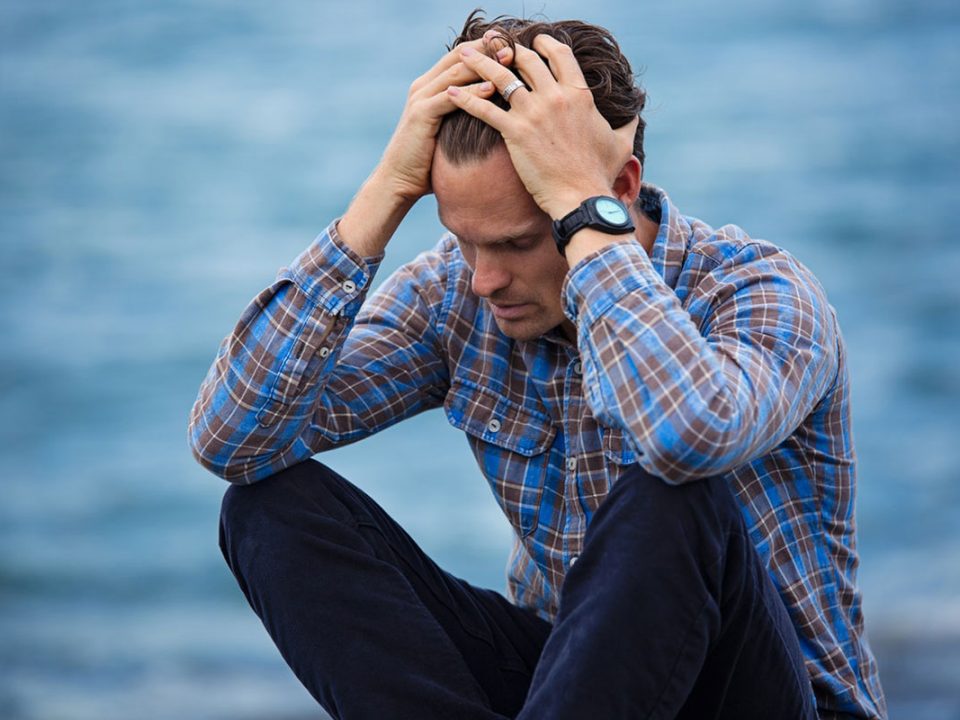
(493, 426)
(578, 368)
(349, 286)
(323, 352)
(571, 463)
(573, 560)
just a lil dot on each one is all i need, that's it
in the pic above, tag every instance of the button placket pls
(348, 286)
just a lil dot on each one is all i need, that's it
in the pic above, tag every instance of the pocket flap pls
(497, 420)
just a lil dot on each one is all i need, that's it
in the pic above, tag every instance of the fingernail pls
(486, 86)
(453, 90)
(467, 52)
(502, 53)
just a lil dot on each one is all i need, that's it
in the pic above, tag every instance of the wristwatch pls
(603, 213)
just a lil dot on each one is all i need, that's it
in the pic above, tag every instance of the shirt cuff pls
(332, 275)
(603, 278)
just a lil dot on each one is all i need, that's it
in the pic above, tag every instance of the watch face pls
(611, 211)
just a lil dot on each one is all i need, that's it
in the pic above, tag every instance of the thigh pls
(669, 613)
(500, 643)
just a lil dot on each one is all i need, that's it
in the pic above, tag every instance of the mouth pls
(510, 311)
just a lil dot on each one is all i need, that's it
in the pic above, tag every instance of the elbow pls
(207, 462)
(200, 441)
(231, 472)
(700, 446)
(234, 462)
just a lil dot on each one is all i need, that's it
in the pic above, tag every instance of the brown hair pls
(463, 137)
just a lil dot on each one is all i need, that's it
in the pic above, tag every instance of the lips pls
(510, 312)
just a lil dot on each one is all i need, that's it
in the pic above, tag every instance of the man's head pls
(504, 236)
(608, 74)
(505, 239)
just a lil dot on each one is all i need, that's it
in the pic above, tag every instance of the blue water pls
(159, 162)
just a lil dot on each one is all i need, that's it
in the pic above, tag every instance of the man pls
(661, 410)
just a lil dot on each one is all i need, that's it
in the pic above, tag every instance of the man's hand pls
(403, 175)
(562, 148)
(407, 160)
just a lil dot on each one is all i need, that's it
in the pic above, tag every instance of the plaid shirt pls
(716, 354)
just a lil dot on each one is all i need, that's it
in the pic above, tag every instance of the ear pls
(627, 184)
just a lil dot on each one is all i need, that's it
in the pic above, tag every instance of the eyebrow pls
(524, 233)
(501, 240)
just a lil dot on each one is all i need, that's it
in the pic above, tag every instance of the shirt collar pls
(670, 246)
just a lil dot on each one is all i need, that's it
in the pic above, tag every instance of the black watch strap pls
(601, 212)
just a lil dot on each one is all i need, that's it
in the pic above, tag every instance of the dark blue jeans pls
(668, 613)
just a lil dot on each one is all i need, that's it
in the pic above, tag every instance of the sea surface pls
(159, 161)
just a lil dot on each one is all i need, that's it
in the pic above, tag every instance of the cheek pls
(554, 266)
(547, 275)
(469, 255)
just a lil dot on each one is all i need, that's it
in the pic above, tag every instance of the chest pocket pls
(511, 444)
(616, 448)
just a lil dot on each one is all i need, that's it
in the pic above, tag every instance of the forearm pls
(254, 412)
(697, 389)
(373, 216)
(403, 174)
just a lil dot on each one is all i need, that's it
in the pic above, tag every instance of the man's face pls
(506, 240)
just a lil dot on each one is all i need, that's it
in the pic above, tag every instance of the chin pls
(523, 330)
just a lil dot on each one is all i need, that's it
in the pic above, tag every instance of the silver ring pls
(511, 89)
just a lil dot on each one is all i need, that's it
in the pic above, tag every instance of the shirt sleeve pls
(707, 383)
(305, 369)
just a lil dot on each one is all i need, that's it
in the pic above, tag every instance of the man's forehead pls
(484, 201)
(493, 223)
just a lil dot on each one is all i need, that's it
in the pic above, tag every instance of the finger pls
(456, 74)
(442, 103)
(479, 108)
(481, 89)
(533, 69)
(451, 58)
(496, 46)
(563, 63)
(489, 69)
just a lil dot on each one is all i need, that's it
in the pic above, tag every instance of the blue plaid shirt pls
(715, 355)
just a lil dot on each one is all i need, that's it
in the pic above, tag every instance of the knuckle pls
(556, 98)
(416, 85)
(546, 41)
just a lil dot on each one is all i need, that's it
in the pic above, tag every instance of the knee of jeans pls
(239, 510)
(243, 504)
(712, 496)
(308, 487)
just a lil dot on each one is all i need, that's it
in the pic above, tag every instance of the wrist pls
(563, 204)
(603, 213)
(390, 192)
(373, 216)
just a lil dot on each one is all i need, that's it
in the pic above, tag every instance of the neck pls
(646, 231)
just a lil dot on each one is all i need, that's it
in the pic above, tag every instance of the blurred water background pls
(159, 161)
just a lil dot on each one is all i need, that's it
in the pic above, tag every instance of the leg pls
(669, 613)
(369, 624)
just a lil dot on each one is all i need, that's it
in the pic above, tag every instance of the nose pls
(490, 274)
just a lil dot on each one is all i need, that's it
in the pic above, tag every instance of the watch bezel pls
(586, 215)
